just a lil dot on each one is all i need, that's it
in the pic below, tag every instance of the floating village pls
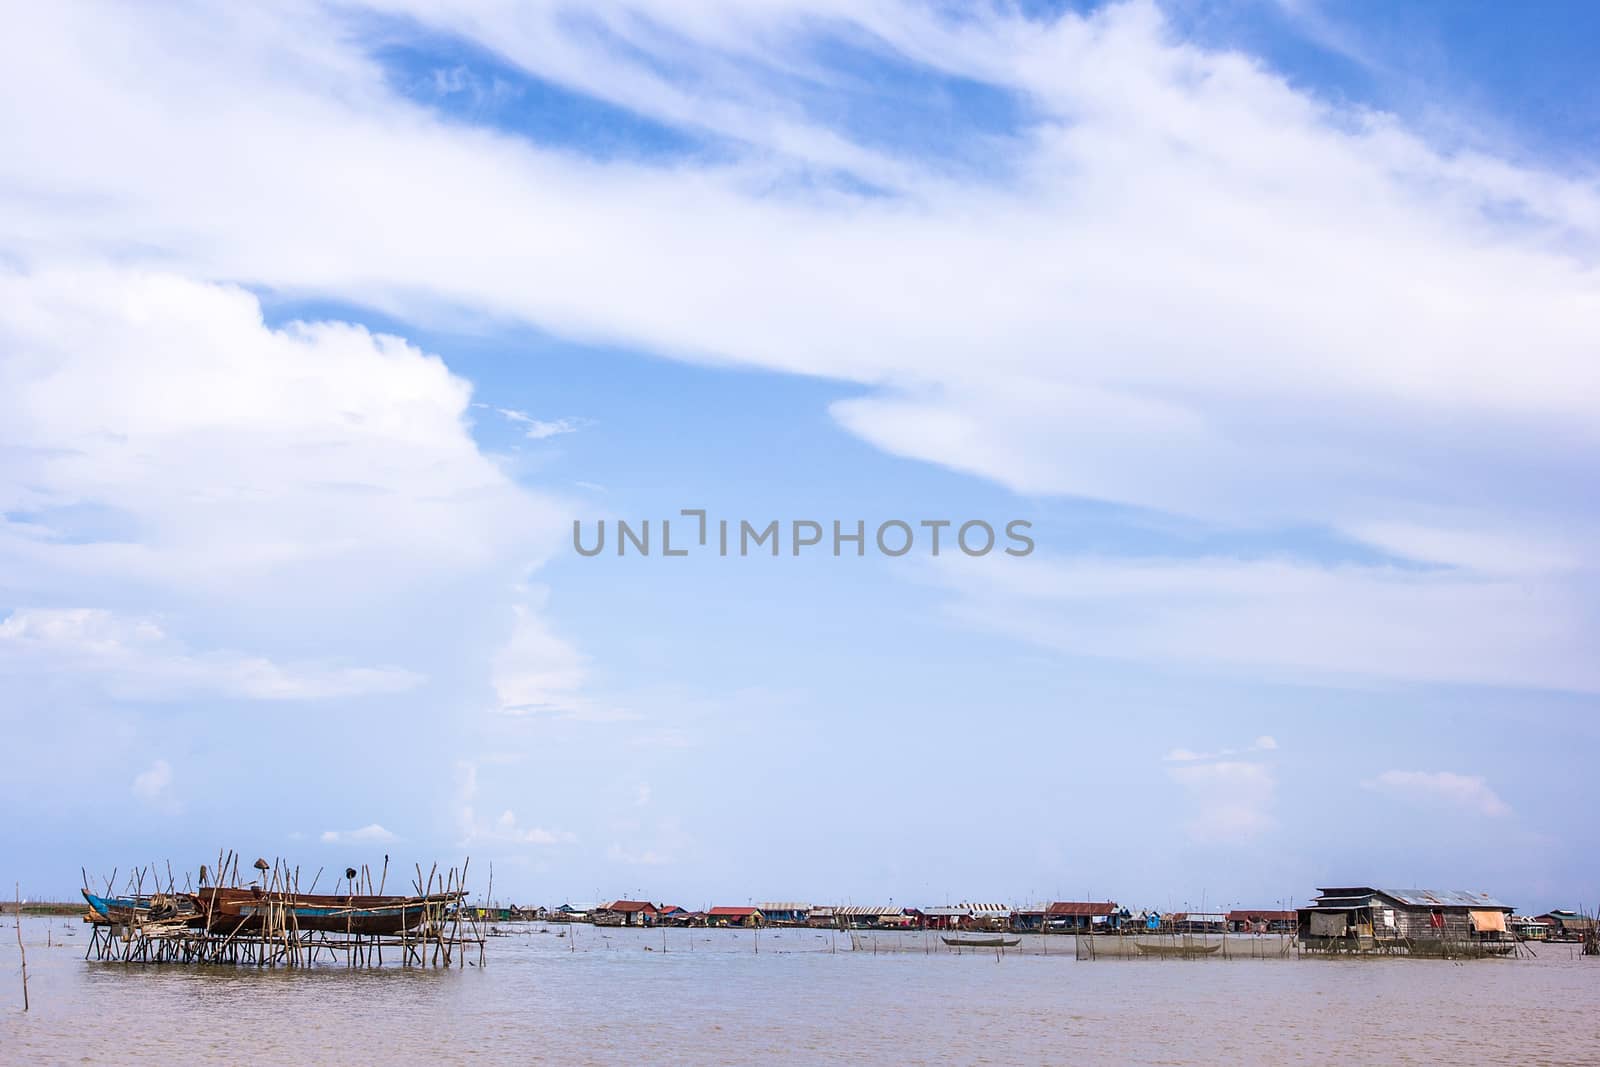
(260, 915)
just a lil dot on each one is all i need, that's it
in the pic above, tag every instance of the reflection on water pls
(717, 996)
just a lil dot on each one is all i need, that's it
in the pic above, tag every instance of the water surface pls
(709, 996)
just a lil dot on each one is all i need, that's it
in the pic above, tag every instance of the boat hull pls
(247, 910)
(982, 942)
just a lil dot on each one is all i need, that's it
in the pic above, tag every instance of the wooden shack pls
(1438, 922)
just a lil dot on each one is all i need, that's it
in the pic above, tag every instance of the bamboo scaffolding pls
(434, 928)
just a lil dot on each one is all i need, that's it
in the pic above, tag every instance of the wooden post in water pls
(22, 949)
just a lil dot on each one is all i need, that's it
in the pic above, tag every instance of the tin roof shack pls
(1567, 925)
(626, 913)
(784, 912)
(734, 917)
(1083, 916)
(871, 917)
(967, 916)
(1262, 921)
(1529, 928)
(1198, 922)
(1365, 920)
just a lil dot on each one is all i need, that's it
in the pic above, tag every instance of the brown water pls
(597, 996)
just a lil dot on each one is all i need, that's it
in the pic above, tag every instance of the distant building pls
(785, 913)
(729, 916)
(967, 916)
(1073, 916)
(871, 917)
(1529, 928)
(1567, 924)
(1197, 922)
(626, 913)
(1444, 921)
(1262, 921)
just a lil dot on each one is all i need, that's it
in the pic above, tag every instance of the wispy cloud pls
(1231, 798)
(153, 786)
(1464, 792)
(642, 857)
(1295, 617)
(135, 658)
(370, 834)
(504, 829)
(1264, 743)
(539, 429)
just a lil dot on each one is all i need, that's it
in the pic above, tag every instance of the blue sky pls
(319, 327)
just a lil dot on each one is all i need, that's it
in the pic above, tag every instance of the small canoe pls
(960, 941)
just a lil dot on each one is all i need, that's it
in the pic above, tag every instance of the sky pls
(321, 325)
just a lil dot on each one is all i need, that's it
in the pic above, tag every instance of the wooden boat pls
(148, 907)
(115, 907)
(246, 909)
(1176, 950)
(973, 941)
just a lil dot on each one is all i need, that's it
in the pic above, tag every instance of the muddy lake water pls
(580, 994)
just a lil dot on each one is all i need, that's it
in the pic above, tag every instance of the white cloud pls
(1264, 743)
(536, 670)
(370, 834)
(153, 786)
(1192, 287)
(1459, 791)
(540, 429)
(505, 829)
(638, 857)
(1294, 618)
(159, 431)
(1231, 800)
(133, 658)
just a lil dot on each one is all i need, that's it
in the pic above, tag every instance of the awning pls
(1488, 922)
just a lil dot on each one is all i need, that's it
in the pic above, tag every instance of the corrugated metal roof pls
(1443, 898)
(1081, 908)
(784, 906)
(741, 912)
(1352, 896)
(855, 909)
(968, 909)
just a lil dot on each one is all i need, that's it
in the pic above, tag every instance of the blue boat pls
(148, 907)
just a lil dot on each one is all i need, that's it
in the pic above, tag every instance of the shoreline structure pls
(264, 919)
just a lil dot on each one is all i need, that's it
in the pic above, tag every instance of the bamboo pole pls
(22, 949)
